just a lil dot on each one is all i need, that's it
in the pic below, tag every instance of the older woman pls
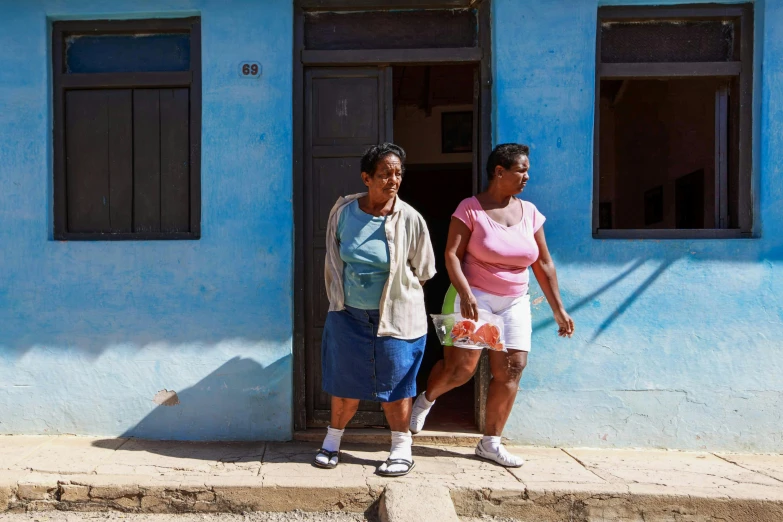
(378, 255)
(493, 239)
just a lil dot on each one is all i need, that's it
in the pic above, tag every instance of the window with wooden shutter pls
(127, 127)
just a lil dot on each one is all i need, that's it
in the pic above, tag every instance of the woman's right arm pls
(456, 244)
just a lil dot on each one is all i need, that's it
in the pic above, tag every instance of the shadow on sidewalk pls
(290, 452)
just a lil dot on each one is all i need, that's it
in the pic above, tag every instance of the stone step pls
(579, 484)
(407, 500)
(381, 436)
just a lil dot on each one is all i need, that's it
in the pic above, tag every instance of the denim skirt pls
(357, 364)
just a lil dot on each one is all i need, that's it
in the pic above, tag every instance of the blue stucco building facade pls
(93, 330)
(678, 342)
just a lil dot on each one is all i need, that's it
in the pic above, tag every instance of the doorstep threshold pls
(381, 436)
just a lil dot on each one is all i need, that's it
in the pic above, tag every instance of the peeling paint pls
(166, 398)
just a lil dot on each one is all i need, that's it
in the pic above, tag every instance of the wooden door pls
(346, 111)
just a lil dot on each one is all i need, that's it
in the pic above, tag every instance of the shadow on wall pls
(234, 399)
(620, 310)
(632, 259)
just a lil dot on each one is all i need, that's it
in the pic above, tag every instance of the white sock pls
(425, 402)
(419, 412)
(400, 449)
(401, 445)
(332, 440)
(331, 443)
(491, 443)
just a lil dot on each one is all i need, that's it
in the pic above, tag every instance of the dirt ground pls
(57, 516)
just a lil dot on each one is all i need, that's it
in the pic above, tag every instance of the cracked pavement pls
(164, 476)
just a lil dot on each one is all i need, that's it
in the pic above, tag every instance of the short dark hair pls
(505, 155)
(377, 152)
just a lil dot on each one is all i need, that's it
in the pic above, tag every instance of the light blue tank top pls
(365, 254)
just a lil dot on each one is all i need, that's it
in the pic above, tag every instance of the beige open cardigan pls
(412, 261)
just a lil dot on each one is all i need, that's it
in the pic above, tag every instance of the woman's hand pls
(544, 270)
(468, 306)
(564, 322)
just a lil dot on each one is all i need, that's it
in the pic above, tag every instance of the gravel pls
(71, 516)
(487, 518)
(57, 516)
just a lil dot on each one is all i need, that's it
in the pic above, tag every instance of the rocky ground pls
(249, 517)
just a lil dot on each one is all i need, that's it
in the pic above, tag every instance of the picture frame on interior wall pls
(456, 132)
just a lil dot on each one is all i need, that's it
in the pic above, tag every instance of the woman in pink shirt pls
(493, 239)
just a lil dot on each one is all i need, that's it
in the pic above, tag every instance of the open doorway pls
(434, 122)
(353, 70)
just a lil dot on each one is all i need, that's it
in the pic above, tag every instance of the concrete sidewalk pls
(78, 473)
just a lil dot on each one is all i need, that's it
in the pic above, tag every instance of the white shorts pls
(515, 311)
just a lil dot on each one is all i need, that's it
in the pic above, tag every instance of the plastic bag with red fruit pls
(455, 330)
(487, 336)
(463, 330)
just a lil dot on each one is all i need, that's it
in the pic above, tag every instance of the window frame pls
(62, 82)
(742, 69)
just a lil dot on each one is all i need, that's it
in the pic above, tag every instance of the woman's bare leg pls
(506, 368)
(398, 414)
(455, 369)
(343, 411)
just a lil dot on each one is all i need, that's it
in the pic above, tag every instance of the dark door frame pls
(360, 5)
(480, 55)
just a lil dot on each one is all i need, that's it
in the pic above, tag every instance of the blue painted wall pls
(91, 331)
(679, 343)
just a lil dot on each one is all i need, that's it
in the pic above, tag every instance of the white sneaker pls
(419, 413)
(502, 457)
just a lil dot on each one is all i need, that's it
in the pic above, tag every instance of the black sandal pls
(390, 462)
(330, 455)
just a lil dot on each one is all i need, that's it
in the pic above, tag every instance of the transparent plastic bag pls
(455, 330)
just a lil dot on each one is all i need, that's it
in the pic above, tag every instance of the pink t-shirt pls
(497, 256)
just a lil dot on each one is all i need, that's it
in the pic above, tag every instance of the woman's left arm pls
(544, 270)
(421, 256)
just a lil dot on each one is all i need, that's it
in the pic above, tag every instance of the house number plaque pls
(250, 70)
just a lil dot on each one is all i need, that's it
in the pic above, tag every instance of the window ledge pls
(670, 234)
(141, 236)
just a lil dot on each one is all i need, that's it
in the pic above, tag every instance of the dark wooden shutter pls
(174, 160)
(98, 160)
(127, 160)
(146, 160)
